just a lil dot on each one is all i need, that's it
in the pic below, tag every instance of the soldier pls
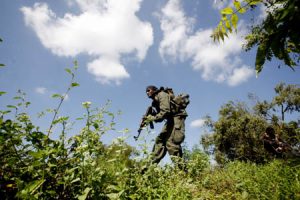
(273, 143)
(173, 132)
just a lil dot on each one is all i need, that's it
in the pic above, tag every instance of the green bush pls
(34, 166)
(240, 180)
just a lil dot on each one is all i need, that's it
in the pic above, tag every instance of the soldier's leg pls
(175, 152)
(159, 149)
(174, 141)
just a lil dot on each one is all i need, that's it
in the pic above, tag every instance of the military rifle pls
(143, 123)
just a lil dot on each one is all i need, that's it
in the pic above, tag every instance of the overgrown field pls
(82, 167)
(33, 166)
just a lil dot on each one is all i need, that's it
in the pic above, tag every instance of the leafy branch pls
(229, 19)
(276, 36)
(63, 97)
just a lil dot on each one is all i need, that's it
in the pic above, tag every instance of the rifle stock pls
(149, 111)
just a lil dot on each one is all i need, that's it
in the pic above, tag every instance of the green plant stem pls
(57, 109)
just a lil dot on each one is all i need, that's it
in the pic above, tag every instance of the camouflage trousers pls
(170, 139)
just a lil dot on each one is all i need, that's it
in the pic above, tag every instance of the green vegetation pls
(236, 135)
(34, 166)
(276, 36)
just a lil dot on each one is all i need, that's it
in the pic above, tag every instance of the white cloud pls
(265, 10)
(105, 30)
(176, 27)
(107, 69)
(41, 90)
(197, 123)
(219, 4)
(240, 75)
(45, 91)
(215, 61)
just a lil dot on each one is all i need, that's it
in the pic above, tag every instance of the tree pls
(288, 98)
(276, 36)
(236, 134)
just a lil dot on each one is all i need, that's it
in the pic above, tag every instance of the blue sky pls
(121, 47)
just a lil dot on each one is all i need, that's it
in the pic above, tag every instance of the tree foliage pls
(237, 132)
(276, 36)
(287, 99)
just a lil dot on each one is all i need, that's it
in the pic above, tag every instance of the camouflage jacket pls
(162, 106)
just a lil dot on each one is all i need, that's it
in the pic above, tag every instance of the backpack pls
(178, 102)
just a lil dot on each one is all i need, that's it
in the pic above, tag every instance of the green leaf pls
(85, 194)
(36, 155)
(223, 29)
(217, 34)
(64, 118)
(60, 120)
(49, 110)
(227, 24)
(221, 34)
(5, 112)
(75, 64)
(33, 186)
(115, 195)
(230, 29)
(227, 11)
(242, 10)
(96, 126)
(284, 14)
(2, 65)
(2, 93)
(51, 165)
(245, 195)
(56, 96)
(234, 20)
(224, 17)
(254, 2)
(214, 35)
(68, 70)
(74, 84)
(11, 106)
(260, 57)
(237, 5)
(75, 180)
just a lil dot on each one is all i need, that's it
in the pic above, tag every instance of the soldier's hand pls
(149, 118)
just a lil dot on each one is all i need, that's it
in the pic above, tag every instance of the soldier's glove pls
(149, 118)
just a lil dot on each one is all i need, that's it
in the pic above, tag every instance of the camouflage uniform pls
(173, 132)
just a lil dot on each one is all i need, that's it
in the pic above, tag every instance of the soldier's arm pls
(164, 105)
